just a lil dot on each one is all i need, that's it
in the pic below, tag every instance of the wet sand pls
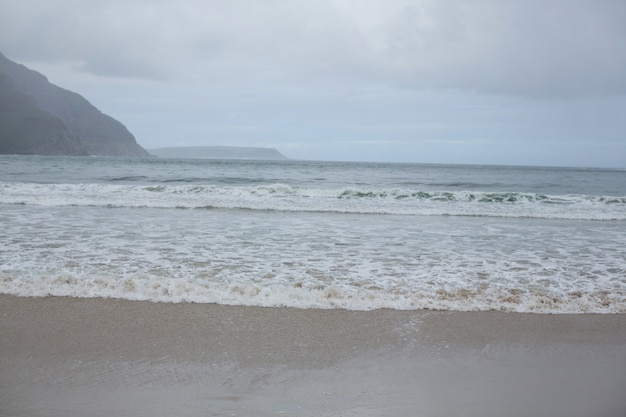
(96, 357)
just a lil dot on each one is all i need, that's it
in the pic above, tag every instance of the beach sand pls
(96, 357)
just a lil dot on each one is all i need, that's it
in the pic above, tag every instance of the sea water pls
(311, 234)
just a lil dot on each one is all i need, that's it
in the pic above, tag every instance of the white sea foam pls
(314, 260)
(283, 197)
(315, 296)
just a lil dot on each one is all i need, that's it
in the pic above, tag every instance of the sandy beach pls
(99, 357)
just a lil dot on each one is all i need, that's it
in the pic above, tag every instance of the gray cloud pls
(486, 81)
(551, 48)
(533, 48)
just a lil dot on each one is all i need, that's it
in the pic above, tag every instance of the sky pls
(533, 82)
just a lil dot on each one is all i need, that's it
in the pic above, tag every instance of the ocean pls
(310, 234)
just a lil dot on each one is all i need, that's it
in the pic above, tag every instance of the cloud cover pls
(306, 72)
(547, 48)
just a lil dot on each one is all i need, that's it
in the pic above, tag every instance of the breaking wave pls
(297, 295)
(283, 197)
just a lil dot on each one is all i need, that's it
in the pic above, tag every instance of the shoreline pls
(198, 359)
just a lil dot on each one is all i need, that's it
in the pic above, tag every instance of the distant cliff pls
(218, 152)
(37, 117)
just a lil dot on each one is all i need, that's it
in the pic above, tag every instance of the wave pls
(129, 178)
(297, 295)
(283, 197)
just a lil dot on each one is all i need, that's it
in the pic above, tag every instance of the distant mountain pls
(25, 128)
(218, 152)
(37, 117)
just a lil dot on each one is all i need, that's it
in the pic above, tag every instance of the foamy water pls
(297, 234)
(282, 197)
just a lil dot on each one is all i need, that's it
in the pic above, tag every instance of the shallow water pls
(315, 235)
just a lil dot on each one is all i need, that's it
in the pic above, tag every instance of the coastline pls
(69, 356)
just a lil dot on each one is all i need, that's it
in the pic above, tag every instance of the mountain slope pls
(25, 128)
(32, 108)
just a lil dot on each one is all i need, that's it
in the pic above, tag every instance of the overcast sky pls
(532, 82)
